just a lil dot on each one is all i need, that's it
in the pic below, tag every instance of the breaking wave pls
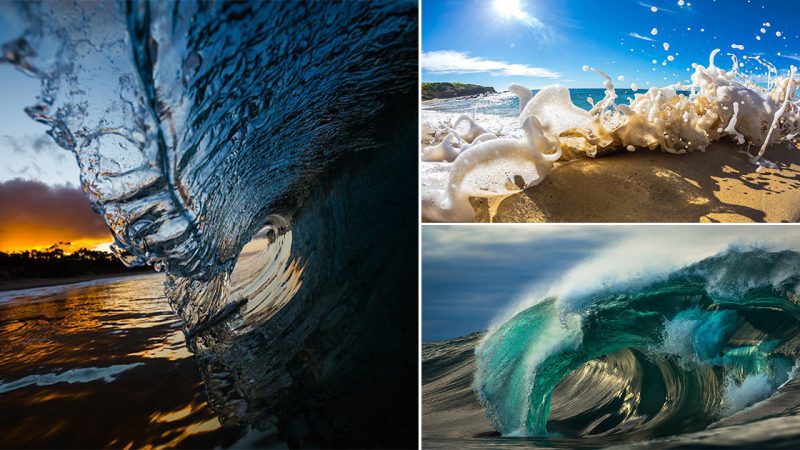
(243, 148)
(665, 357)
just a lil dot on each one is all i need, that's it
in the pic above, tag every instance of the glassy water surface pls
(100, 364)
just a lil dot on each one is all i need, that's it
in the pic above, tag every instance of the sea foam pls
(467, 159)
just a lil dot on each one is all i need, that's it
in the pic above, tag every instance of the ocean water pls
(699, 355)
(505, 104)
(72, 354)
(243, 149)
(664, 358)
(499, 112)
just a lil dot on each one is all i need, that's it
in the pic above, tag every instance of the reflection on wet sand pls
(100, 365)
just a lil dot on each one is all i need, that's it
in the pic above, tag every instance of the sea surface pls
(703, 356)
(507, 104)
(100, 364)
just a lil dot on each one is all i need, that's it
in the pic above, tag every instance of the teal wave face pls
(700, 343)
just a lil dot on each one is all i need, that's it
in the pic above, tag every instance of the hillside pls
(431, 91)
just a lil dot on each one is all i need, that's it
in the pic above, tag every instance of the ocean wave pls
(670, 357)
(243, 148)
(550, 129)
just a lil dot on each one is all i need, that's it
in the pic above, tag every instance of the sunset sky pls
(41, 202)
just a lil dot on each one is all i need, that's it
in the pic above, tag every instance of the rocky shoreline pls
(432, 91)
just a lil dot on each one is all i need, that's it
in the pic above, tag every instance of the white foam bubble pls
(752, 389)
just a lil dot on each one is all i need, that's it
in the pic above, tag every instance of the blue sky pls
(28, 153)
(538, 42)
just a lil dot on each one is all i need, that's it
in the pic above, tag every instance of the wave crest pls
(666, 358)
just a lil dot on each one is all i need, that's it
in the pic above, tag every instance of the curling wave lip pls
(668, 357)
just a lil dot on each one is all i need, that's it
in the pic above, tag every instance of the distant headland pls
(432, 91)
(35, 268)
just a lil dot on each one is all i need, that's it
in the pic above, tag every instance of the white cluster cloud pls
(449, 61)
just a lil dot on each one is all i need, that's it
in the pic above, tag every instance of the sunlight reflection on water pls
(107, 352)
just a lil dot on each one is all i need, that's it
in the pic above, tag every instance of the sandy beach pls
(720, 185)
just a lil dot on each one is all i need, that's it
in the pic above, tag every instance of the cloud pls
(449, 61)
(639, 36)
(794, 57)
(470, 273)
(33, 214)
(463, 241)
(37, 157)
(40, 144)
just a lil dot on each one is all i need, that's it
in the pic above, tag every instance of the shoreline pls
(718, 185)
(30, 283)
(436, 101)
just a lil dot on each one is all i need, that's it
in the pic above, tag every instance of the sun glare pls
(509, 9)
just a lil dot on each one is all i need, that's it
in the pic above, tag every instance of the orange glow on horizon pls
(20, 238)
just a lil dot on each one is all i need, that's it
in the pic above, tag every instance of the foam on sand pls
(674, 119)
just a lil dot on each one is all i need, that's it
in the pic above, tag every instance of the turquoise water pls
(507, 105)
(672, 357)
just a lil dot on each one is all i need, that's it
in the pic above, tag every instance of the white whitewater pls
(465, 160)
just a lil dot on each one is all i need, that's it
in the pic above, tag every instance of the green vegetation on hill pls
(431, 91)
(54, 263)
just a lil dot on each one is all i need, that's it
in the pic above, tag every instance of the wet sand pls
(720, 185)
(101, 365)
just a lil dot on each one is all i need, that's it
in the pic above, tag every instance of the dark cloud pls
(36, 157)
(39, 144)
(31, 209)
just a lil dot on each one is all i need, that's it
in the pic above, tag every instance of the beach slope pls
(720, 185)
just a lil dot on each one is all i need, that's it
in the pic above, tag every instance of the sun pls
(509, 9)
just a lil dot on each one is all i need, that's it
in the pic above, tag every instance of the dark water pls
(200, 127)
(100, 364)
